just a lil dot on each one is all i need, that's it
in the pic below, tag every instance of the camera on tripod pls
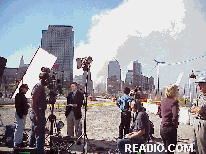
(50, 79)
(84, 63)
(51, 83)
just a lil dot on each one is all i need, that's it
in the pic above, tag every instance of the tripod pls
(52, 118)
(85, 112)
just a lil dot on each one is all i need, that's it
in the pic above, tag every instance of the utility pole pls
(157, 62)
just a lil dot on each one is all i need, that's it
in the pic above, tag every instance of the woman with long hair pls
(169, 113)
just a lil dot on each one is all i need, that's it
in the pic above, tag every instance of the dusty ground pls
(102, 126)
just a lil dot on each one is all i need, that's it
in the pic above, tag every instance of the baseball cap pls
(201, 79)
(24, 86)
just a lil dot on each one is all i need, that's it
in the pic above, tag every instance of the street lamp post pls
(157, 62)
(191, 85)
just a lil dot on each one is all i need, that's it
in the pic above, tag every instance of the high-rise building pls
(114, 69)
(78, 79)
(151, 83)
(137, 74)
(113, 86)
(59, 41)
(137, 68)
(128, 78)
(114, 77)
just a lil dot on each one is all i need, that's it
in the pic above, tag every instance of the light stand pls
(85, 112)
(85, 115)
(85, 64)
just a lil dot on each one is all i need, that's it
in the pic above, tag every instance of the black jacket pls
(78, 99)
(21, 104)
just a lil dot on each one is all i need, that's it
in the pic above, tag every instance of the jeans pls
(169, 136)
(20, 126)
(37, 137)
(121, 144)
(125, 123)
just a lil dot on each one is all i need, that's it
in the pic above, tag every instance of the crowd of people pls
(135, 126)
(168, 111)
(37, 113)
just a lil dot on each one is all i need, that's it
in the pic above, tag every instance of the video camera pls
(84, 63)
(50, 79)
(51, 83)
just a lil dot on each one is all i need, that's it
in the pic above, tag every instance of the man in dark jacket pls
(37, 114)
(73, 111)
(22, 107)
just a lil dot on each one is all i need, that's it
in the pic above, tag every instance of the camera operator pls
(136, 94)
(37, 114)
(73, 111)
(22, 107)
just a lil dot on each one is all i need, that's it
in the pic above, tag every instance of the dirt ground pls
(102, 126)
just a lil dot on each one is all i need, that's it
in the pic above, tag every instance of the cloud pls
(112, 28)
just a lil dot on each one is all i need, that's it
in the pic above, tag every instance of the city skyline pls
(165, 35)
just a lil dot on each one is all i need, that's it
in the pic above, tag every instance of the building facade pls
(114, 77)
(151, 83)
(137, 74)
(114, 69)
(137, 68)
(113, 86)
(78, 79)
(59, 41)
(128, 78)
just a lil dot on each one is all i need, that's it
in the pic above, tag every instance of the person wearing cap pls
(37, 114)
(169, 114)
(200, 121)
(22, 107)
(124, 104)
(139, 130)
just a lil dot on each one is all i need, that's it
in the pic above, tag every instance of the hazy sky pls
(166, 30)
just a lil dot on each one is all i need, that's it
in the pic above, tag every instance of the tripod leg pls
(75, 141)
(89, 143)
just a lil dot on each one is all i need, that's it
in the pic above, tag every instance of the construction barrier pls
(185, 116)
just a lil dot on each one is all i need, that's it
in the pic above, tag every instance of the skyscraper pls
(151, 83)
(114, 77)
(137, 68)
(137, 74)
(59, 41)
(128, 78)
(114, 69)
